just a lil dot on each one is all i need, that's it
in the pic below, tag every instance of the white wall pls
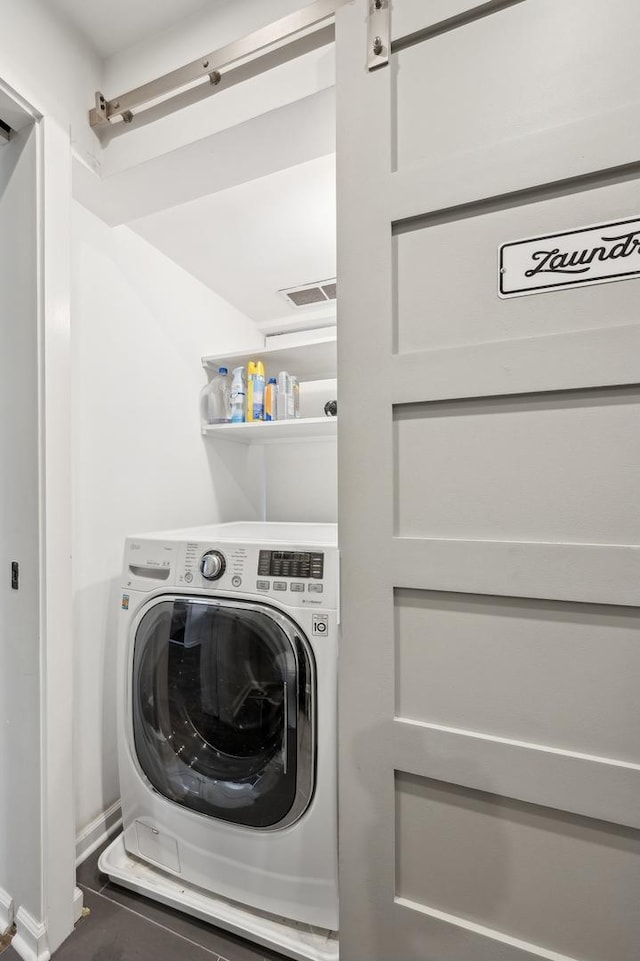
(20, 781)
(301, 479)
(139, 327)
(302, 482)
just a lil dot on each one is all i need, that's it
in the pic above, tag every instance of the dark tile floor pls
(124, 926)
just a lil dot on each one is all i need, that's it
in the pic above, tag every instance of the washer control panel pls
(295, 577)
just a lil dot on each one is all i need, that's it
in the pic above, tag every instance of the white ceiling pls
(112, 27)
(251, 241)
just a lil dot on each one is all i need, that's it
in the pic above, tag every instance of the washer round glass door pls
(223, 709)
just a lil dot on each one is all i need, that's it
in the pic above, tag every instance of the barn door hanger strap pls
(379, 34)
(291, 36)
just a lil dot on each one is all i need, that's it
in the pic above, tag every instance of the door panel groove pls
(589, 573)
(551, 363)
(616, 395)
(462, 935)
(592, 786)
(518, 198)
(413, 729)
(524, 164)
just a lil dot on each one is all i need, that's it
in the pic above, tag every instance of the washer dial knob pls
(212, 565)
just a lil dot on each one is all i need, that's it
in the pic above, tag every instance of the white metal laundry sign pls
(591, 255)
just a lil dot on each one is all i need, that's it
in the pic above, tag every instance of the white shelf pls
(274, 431)
(313, 360)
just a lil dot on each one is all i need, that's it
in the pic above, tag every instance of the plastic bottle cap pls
(222, 370)
(272, 380)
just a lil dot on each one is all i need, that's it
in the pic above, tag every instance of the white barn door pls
(489, 455)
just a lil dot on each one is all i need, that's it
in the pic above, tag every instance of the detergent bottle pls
(215, 399)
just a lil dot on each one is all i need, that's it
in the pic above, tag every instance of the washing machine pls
(228, 648)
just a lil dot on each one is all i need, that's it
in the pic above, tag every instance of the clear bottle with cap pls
(295, 396)
(238, 396)
(285, 396)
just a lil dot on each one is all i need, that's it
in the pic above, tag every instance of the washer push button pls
(297, 587)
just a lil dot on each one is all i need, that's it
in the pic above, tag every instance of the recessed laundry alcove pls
(183, 242)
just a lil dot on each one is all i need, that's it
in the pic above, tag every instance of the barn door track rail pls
(292, 36)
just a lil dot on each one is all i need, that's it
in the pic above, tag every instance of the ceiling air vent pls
(318, 293)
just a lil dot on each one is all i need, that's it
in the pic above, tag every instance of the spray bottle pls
(251, 384)
(270, 396)
(237, 396)
(258, 392)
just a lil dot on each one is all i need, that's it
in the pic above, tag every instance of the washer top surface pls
(253, 532)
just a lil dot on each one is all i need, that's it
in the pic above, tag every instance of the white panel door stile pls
(489, 460)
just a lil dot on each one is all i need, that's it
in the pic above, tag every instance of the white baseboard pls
(78, 904)
(6, 913)
(30, 939)
(98, 831)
